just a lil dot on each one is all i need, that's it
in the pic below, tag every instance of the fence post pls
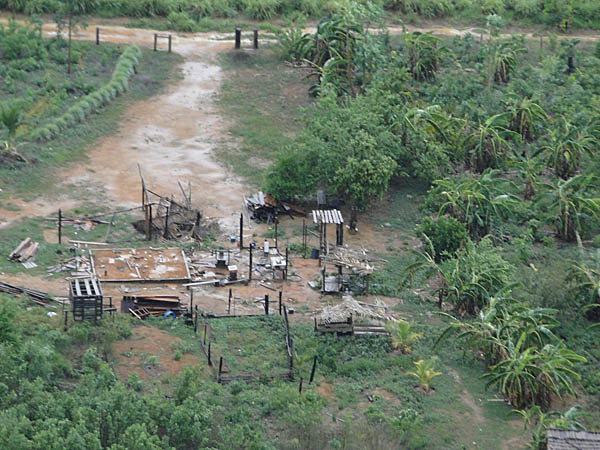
(66, 318)
(250, 264)
(220, 369)
(286, 264)
(241, 231)
(97, 36)
(256, 39)
(266, 305)
(300, 386)
(155, 40)
(150, 221)
(280, 295)
(209, 360)
(312, 372)
(166, 233)
(229, 307)
(196, 321)
(238, 38)
(169, 43)
(60, 226)
(205, 330)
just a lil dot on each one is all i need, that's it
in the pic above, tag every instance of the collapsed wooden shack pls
(357, 263)
(169, 219)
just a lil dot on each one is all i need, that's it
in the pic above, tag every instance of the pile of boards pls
(25, 251)
(265, 208)
(41, 298)
(78, 266)
(142, 306)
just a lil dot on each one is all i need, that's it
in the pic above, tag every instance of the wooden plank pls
(96, 288)
(314, 214)
(261, 196)
(341, 217)
(88, 289)
(77, 288)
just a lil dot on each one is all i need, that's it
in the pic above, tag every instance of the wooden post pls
(155, 40)
(146, 213)
(250, 263)
(196, 321)
(280, 302)
(66, 319)
(266, 305)
(220, 369)
(97, 36)
(150, 222)
(60, 227)
(192, 299)
(315, 324)
(312, 372)
(256, 39)
(169, 43)
(367, 285)
(276, 240)
(286, 264)
(205, 331)
(166, 233)
(300, 386)
(304, 238)
(238, 38)
(229, 307)
(197, 223)
(241, 231)
(209, 360)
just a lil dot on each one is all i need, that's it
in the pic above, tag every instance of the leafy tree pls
(72, 15)
(446, 235)
(8, 329)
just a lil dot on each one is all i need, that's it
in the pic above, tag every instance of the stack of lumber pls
(142, 306)
(24, 251)
(38, 297)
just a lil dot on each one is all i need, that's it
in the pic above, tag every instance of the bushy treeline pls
(563, 13)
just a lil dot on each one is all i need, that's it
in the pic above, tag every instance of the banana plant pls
(570, 206)
(424, 53)
(487, 145)
(525, 116)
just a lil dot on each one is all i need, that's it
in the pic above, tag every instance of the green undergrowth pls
(250, 346)
(264, 98)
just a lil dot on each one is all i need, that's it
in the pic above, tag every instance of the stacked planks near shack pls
(142, 306)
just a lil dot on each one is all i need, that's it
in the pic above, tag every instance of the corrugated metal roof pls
(573, 440)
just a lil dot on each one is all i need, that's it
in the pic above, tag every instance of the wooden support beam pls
(238, 38)
(314, 368)
(97, 36)
(155, 40)
(170, 43)
(256, 39)
(60, 226)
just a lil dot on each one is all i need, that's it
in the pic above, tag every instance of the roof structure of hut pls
(572, 440)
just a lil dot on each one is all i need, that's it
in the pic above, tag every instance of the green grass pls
(205, 24)
(250, 346)
(28, 181)
(264, 98)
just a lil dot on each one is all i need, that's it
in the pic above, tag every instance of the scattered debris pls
(265, 208)
(142, 306)
(79, 267)
(143, 264)
(349, 308)
(24, 251)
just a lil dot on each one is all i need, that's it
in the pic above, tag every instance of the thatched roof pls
(350, 307)
(573, 440)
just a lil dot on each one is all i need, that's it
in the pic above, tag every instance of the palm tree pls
(402, 336)
(524, 116)
(570, 206)
(425, 373)
(566, 147)
(487, 144)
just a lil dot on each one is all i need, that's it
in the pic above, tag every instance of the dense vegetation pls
(187, 15)
(506, 133)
